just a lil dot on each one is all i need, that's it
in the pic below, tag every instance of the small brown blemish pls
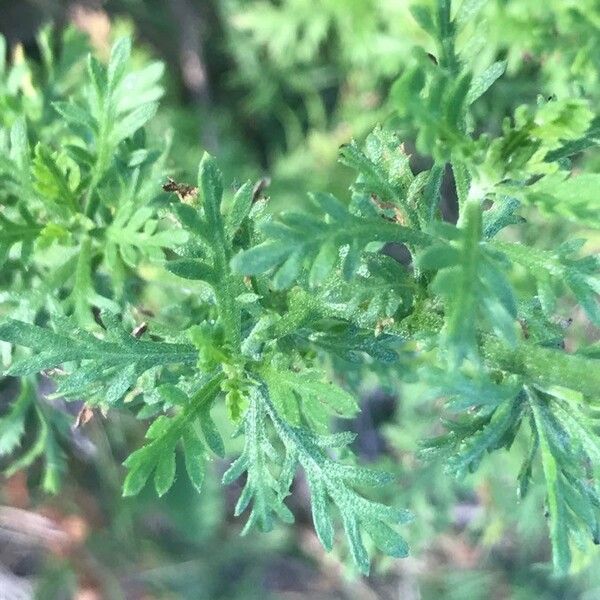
(139, 331)
(388, 206)
(84, 416)
(524, 328)
(186, 193)
(260, 186)
(382, 324)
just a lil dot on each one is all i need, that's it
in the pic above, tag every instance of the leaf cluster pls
(277, 318)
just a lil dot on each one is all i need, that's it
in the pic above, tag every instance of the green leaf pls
(195, 458)
(12, 425)
(468, 10)
(260, 258)
(74, 114)
(320, 513)
(483, 82)
(525, 474)
(97, 76)
(331, 478)
(134, 233)
(190, 218)
(558, 519)
(261, 488)
(572, 147)
(115, 365)
(210, 181)
(139, 87)
(384, 171)
(239, 209)
(319, 400)
(159, 454)
(189, 268)
(357, 548)
(500, 215)
(423, 16)
(282, 395)
(133, 121)
(386, 539)
(165, 472)
(140, 467)
(298, 238)
(211, 434)
(50, 181)
(476, 433)
(456, 100)
(329, 204)
(574, 197)
(289, 271)
(472, 283)
(580, 275)
(44, 428)
(465, 392)
(119, 56)
(24, 231)
(323, 264)
(19, 152)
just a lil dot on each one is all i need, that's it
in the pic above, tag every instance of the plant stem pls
(544, 366)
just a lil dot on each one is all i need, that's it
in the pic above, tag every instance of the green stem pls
(544, 366)
(198, 401)
(227, 289)
(461, 179)
(464, 331)
(446, 37)
(226, 293)
(201, 398)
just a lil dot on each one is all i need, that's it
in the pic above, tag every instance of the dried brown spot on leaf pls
(186, 193)
(85, 415)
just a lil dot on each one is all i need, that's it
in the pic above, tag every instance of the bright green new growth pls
(273, 299)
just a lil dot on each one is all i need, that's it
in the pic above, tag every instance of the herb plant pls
(276, 316)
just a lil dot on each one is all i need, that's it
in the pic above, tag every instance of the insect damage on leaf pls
(186, 193)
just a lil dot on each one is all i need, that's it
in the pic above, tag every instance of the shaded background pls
(273, 89)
